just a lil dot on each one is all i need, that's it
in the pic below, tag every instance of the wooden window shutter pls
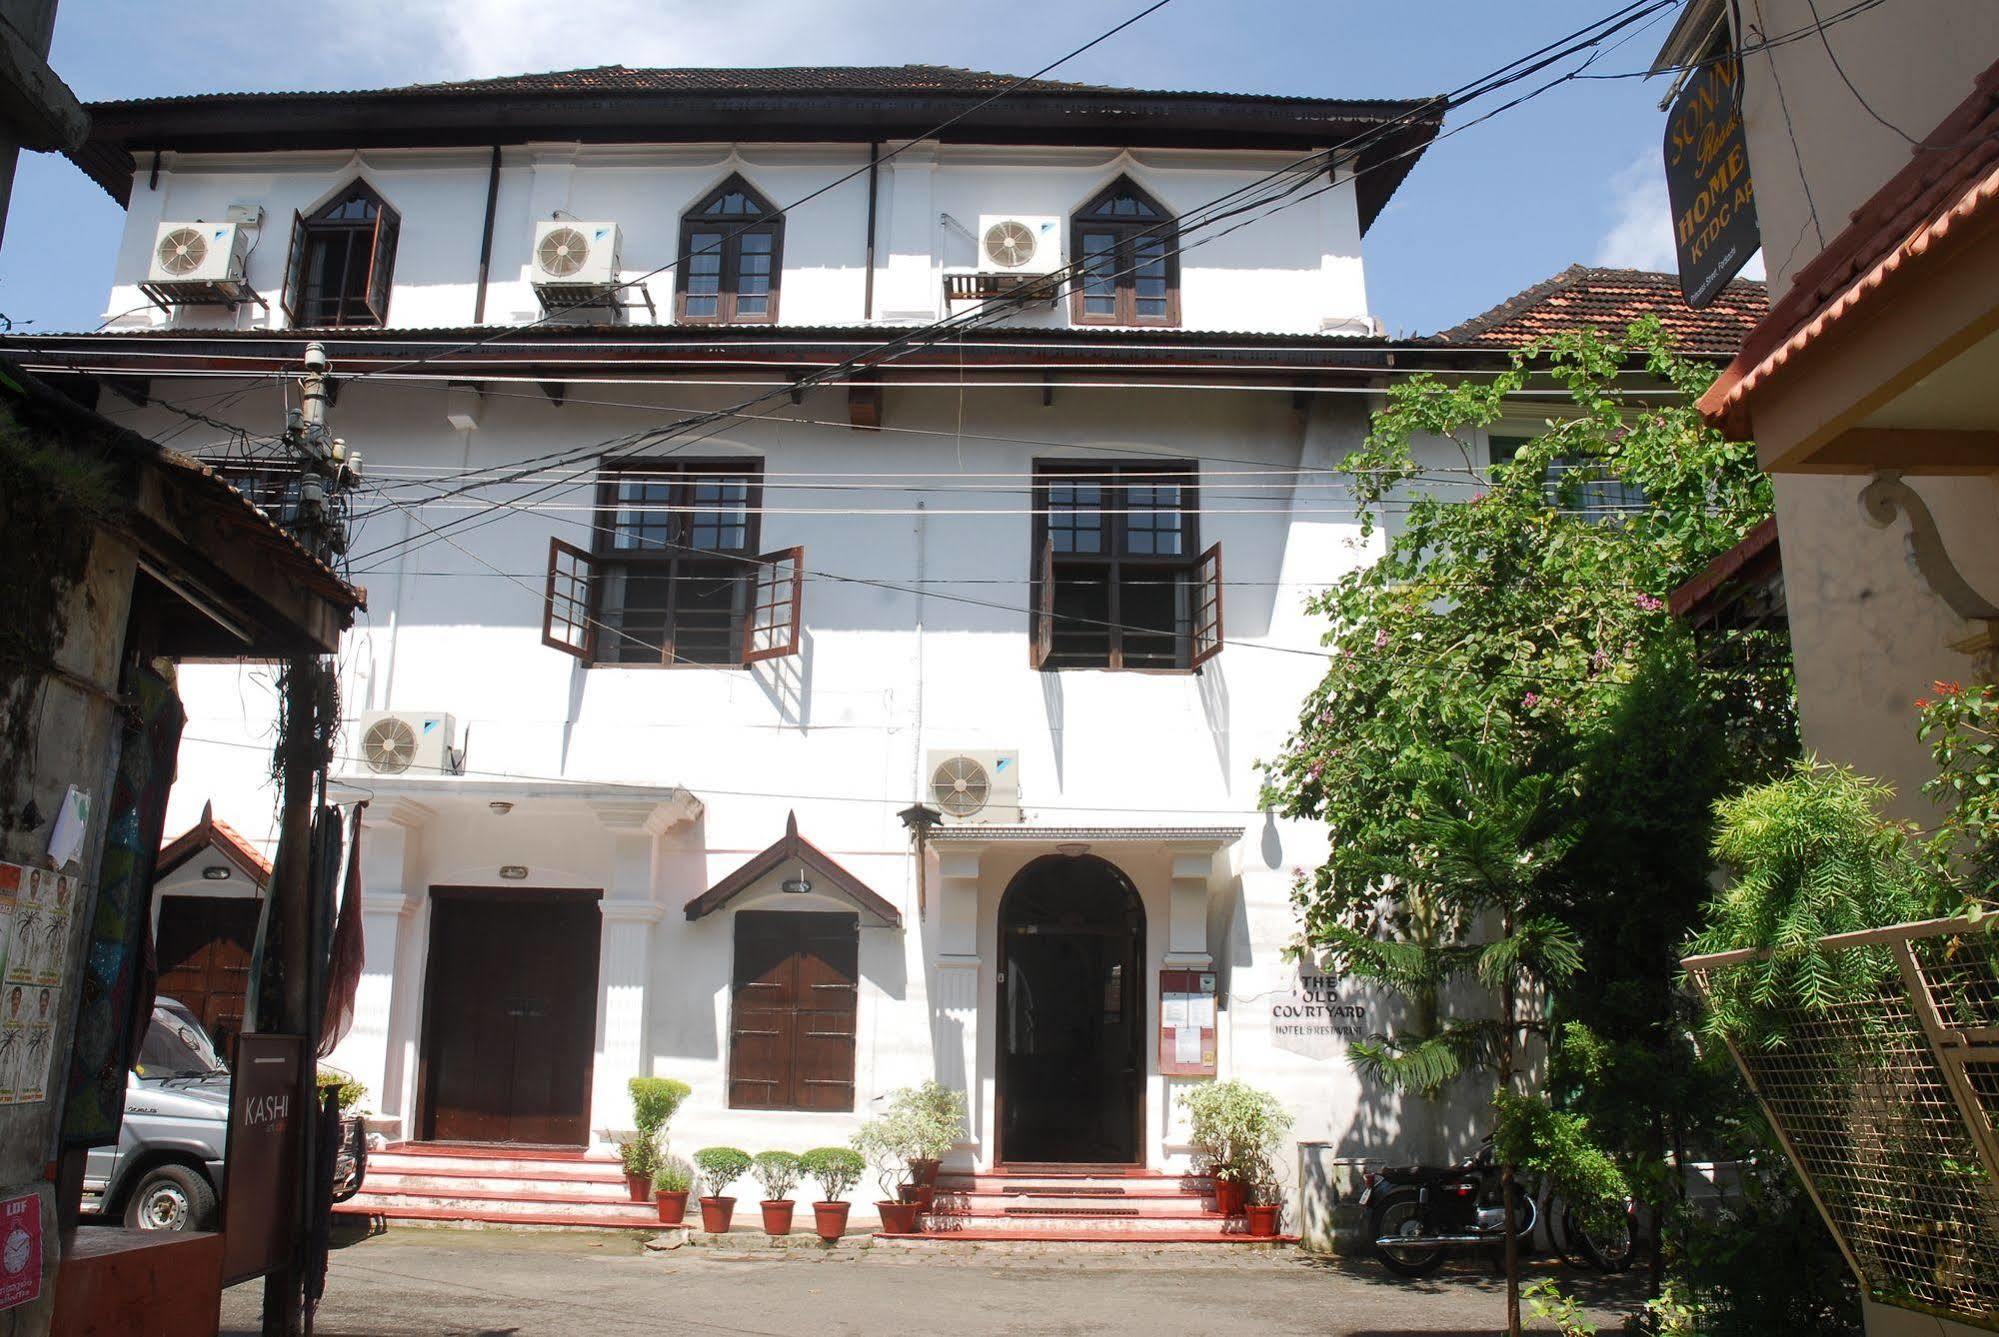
(382, 261)
(776, 601)
(1041, 622)
(565, 614)
(1207, 572)
(293, 298)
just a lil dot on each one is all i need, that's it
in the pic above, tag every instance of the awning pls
(803, 861)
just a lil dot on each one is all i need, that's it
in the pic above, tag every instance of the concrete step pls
(381, 1180)
(502, 1215)
(576, 1166)
(987, 1181)
(1204, 1225)
(1146, 1239)
(1155, 1204)
(475, 1199)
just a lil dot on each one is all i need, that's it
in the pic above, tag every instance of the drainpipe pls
(868, 289)
(486, 238)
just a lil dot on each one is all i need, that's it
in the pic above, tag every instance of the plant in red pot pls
(654, 1102)
(935, 1118)
(1264, 1205)
(720, 1167)
(884, 1142)
(671, 1183)
(640, 1158)
(1236, 1131)
(837, 1169)
(777, 1172)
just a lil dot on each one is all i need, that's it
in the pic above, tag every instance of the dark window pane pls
(720, 516)
(1082, 637)
(1075, 517)
(1100, 273)
(1153, 613)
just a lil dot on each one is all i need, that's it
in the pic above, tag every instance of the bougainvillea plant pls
(1961, 725)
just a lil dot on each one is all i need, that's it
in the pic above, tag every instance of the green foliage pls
(639, 1156)
(672, 1175)
(1962, 729)
(655, 1100)
(883, 1142)
(350, 1091)
(1545, 1300)
(837, 1169)
(1237, 1131)
(1530, 1134)
(720, 1167)
(777, 1172)
(930, 1118)
(1811, 856)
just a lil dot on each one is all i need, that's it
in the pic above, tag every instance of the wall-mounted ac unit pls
(571, 256)
(198, 262)
(1020, 243)
(407, 742)
(970, 786)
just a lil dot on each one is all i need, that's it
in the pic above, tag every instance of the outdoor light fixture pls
(1074, 849)
(797, 886)
(500, 807)
(216, 872)
(513, 872)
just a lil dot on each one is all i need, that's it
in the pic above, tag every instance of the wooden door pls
(792, 1011)
(203, 948)
(510, 1017)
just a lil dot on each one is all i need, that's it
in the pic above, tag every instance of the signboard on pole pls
(260, 1194)
(1707, 180)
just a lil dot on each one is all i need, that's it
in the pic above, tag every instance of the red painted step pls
(1084, 1237)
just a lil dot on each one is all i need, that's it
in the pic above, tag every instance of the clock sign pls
(20, 1250)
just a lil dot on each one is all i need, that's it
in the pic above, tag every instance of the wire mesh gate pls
(1887, 1102)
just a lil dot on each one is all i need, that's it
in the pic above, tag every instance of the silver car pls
(166, 1171)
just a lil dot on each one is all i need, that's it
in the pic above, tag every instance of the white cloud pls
(1641, 229)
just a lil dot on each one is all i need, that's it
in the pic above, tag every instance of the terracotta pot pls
(925, 1171)
(898, 1218)
(1229, 1197)
(638, 1186)
(777, 1215)
(716, 1214)
(829, 1219)
(919, 1196)
(672, 1205)
(1262, 1218)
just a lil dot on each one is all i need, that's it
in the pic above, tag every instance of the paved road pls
(494, 1283)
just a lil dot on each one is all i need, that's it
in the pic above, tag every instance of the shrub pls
(720, 1167)
(778, 1172)
(672, 1175)
(639, 1156)
(1237, 1130)
(837, 1169)
(655, 1100)
(350, 1092)
(883, 1143)
(930, 1118)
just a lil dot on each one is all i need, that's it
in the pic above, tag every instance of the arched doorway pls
(1071, 1015)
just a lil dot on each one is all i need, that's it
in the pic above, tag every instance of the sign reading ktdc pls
(1707, 179)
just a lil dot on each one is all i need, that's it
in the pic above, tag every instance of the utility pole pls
(326, 473)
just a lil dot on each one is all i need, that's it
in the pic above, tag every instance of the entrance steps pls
(1043, 1205)
(496, 1186)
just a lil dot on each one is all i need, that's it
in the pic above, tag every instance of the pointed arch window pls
(343, 260)
(731, 257)
(1125, 247)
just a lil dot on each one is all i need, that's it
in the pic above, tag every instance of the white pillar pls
(1187, 907)
(956, 989)
(379, 1049)
(909, 289)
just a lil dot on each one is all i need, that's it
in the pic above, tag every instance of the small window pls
(1120, 581)
(1126, 249)
(731, 255)
(1594, 494)
(674, 576)
(342, 261)
(794, 998)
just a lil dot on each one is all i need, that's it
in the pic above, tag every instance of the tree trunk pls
(1507, 1007)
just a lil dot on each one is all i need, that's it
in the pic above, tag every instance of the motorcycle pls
(1418, 1213)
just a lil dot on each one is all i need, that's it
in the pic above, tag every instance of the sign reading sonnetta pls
(1707, 180)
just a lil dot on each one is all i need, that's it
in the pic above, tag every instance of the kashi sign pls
(1707, 180)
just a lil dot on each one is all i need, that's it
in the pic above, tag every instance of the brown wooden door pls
(510, 1017)
(794, 1001)
(203, 948)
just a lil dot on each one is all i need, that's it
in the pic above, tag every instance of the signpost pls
(260, 1195)
(1707, 180)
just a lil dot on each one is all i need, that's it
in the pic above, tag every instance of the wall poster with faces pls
(36, 906)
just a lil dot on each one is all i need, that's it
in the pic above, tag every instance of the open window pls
(1119, 581)
(342, 261)
(673, 577)
(1125, 246)
(731, 257)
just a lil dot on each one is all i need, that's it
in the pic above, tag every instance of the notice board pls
(260, 1196)
(1187, 1023)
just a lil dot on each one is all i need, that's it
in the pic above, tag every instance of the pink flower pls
(1381, 639)
(1648, 603)
(1531, 700)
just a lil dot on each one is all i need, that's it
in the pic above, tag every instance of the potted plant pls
(883, 1142)
(777, 1172)
(1236, 1131)
(671, 1180)
(936, 1116)
(1265, 1204)
(720, 1167)
(654, 1102)
(837, 1169)
(641, 1160)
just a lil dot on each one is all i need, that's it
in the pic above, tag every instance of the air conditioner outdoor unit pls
(976, 787)
(199, 262)
(574, 258)
(408, 742)
(1020, 243)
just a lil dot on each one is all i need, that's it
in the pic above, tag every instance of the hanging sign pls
(259, 1190)
(1707, 181)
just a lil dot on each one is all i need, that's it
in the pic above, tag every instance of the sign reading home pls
(1315, 1017)
(1707, 180)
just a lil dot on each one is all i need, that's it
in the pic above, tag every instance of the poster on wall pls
(36, 905)
(20, 1250)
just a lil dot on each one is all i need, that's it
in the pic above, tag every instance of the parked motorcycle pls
(1419, 1213)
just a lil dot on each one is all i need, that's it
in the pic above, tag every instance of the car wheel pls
(171, 1197)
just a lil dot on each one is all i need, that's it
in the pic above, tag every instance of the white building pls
(679, 626)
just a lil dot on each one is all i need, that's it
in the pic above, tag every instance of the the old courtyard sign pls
(1707, 180)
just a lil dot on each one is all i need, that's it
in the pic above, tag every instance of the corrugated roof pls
(1608, 301)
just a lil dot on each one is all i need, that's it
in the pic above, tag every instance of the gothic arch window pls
(1125, 244)
(343, 260)
(731, 257)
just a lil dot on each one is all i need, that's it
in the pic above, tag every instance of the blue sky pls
(1572, 176)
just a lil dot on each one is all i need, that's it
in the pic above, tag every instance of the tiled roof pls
(1951, 181)
(793, 79)
(1756, 557)
(211, 832)
(1607, 301)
